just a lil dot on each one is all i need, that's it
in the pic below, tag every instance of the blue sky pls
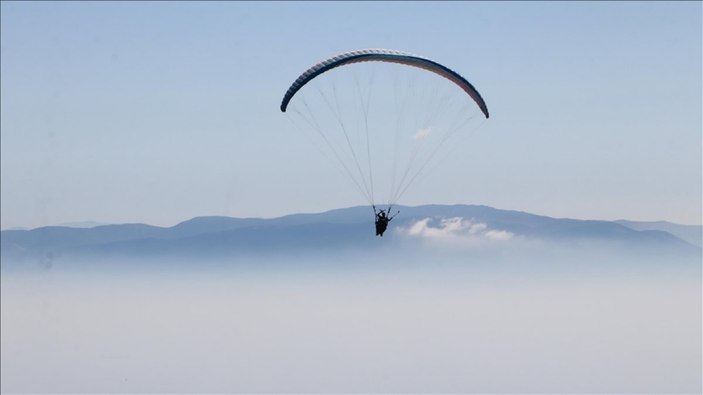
(158, 112)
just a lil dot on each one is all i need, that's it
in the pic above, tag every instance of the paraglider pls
(382, 220)
(400, 133)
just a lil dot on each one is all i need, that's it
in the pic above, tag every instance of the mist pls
(460, 318)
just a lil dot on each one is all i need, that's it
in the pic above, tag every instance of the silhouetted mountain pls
(690, 233)
(348, 230)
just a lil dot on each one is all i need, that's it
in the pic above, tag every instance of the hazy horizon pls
(89, 223)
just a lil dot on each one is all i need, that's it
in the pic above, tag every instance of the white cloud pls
(422, 133)
(455, 229)
(499, 235)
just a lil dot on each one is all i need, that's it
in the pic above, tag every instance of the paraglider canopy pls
(383, 55)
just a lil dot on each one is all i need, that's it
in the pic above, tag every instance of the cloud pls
(422, 133)
(454, 229)
(499, 235)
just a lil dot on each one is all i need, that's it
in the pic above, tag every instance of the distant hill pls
(690, 233)
(341, 230)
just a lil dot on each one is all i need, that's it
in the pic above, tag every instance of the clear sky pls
(159, 112)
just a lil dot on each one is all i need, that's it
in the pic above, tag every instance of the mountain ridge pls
(345, 229)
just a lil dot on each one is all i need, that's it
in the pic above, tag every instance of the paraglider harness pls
(382, 219)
